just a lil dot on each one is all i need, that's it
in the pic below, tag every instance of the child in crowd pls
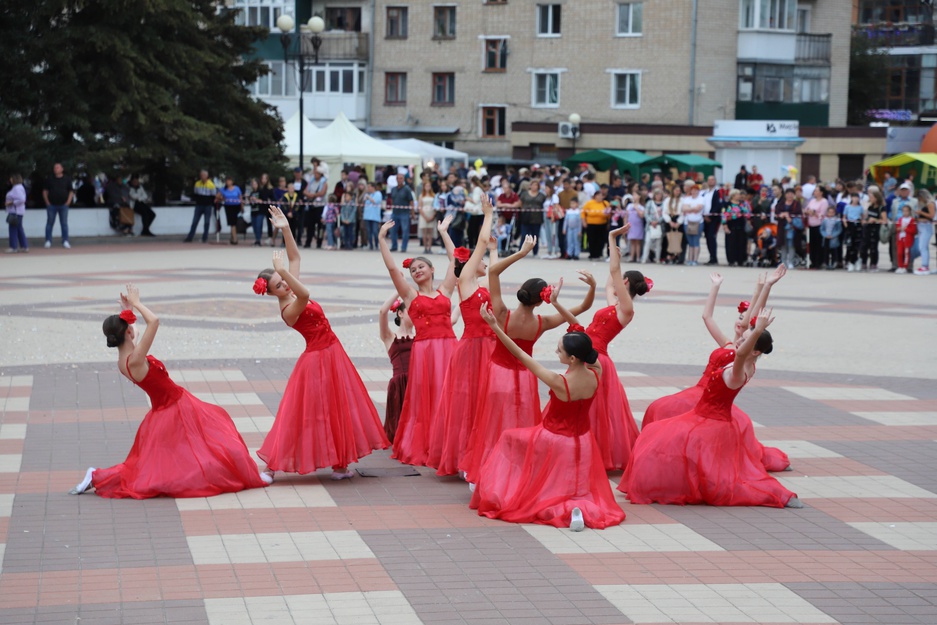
(572, 230)
(767, 251)
(906, 230)
(330, 219)
(348, 217)
(831, 229)
(503, 232)
(852, 218)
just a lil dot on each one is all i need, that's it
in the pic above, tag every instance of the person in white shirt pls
(808, 187)
(692, 209)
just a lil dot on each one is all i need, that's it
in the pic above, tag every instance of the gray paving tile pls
(912, 461)
(142, 613)
(859, 604)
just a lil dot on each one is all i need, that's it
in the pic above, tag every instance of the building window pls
(894, 11)
(548, 20)
(493, 124)
(259, 12)
(336, 78)
(275, 83)
(496, 55)
(762, 82)
(396, 22)
(626, 90)
(768, 14)
(343, 18)
(630, 18)
(395, 88)
(443, 22)
(546, 89)
(496, 1)
(443, 89)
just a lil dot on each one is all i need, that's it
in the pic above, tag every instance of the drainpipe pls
(693, 22)
(370, 72)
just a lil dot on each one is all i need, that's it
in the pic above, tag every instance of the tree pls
(868, 79)
(157, 86)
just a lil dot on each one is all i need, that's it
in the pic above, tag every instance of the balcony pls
(339, 46)
(813, 49)
(889, 35)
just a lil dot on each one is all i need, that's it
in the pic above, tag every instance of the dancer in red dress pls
(612, 423)
(184, 447)
(551, 473)
(398, 345)
(430, 310)
(459, 399)
(508, 391)
(673, 405)
(325, 418)
(699, 457)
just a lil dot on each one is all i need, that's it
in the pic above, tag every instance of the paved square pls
(859, 427)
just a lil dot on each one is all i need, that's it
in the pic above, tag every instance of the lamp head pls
(316, 24)
(285, 23)
(575, 119)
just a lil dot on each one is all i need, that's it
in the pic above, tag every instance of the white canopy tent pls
(444, 157)
(291, 138)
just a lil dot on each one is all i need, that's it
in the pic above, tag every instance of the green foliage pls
(868, 79)
(156, 86)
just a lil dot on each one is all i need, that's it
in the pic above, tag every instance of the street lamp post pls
(314, 26)
(574, 119)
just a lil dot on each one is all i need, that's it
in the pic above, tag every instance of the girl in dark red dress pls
(508, 391)
(673, 405)
(459, 399)
(398, 345)
(612, 423)
(551, 473)
(184, 447)
(430, 310)
(700, 457)
(326, 417)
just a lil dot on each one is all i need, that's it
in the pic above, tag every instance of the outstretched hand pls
(555, 291)
(617, 232)
(716, 277)
(277, 218)
(588, 278)
(278, 260)
(124, 302)
(385, 229)
(765, 319)
(443, 226)
(133, 294)
(529, 243)
(779, 273)
(487, 209)
(492, 243)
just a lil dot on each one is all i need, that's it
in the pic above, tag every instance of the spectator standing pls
(741, 178)
(831, 230)
(712, 218)
(473, 208)
(330, 218)
(674, 242)
(316, 192)
(595, 215)
(140, 203)
(372, 214)
(692, 209)
(905, 229)
(204, 194)
(853, 220)
(889, 185)
(875, 216)
(572, 229)
(552, 220)
(897, 209)
(16, 211)
(654, 231)
(232, 199)
(815, 211)
(634, 212)
(755, 181)
(531, 217)
(403, 206)
(734, 218)
(925, 230)
(58, 196)
(349, 220)
(264, 197)
(784, 212)
(807, 188)
(298, 206)
(427, 217)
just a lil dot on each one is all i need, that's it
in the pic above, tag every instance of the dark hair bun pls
(115, 329)
(764, 343)
(529, 293)
(112, 340)
(579, 345)
(636, 283)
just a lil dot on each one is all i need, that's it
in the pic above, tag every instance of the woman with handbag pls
(654, 232)
(692, 209)
(734, 218)
(673, 219)
(16, 210)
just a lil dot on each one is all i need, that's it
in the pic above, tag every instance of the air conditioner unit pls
(566, 130)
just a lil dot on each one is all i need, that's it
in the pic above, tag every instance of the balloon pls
(478, 164)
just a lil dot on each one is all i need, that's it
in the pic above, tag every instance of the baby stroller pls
(765, 253)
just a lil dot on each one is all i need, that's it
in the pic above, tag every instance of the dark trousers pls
(561, 239)
(816, 247)
(147, 215)
(296, 222)
(869, 250)
(348, 235)
(832, 254)
(853, 241)
(736, 242)
(201, 210)
(597, 239)
(313, 224)
(474, 227)
(532, 230)
(711, 230)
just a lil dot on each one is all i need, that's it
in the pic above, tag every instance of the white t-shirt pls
(688, 203)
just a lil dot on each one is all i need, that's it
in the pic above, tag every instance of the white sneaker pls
(849, 267)
(901, 270)
(922, 271)
(576, 524)
(48, 244)
(67, 245)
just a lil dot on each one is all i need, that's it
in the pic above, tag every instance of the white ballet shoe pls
(576, 524)
(788, 468)
(347, 474)
(266, 477)
(794, 502)
(84, 484)
(471, 487)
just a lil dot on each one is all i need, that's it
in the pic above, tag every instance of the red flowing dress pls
(509, 399)
(325, 418)
(450, 431)
(673, 405)
(613, 425)
(539, 474)
(399, 354)
(183, 448)
(699, 457)
(429, 361)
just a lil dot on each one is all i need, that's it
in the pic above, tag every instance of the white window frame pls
(809, 17)
(533, 86)
(255, 8)
(629, 6)
(289, 86)
(790, 16)
(614, 73)
(547, 32)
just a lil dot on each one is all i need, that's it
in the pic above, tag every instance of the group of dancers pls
(468, 406)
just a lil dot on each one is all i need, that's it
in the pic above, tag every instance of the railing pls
(813, 48)
(888, 34)
(339, 46)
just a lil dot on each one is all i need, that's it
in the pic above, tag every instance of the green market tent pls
(683, 162)
(923, 164)
(623, 160)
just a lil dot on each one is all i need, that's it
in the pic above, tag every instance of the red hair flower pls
(575, 327)
(407, 262)
(752, 322)
(396, 305)
(545, 293)
(649, 282)
(461, 254)
(260, 286)
(128, 316)
(744, 305)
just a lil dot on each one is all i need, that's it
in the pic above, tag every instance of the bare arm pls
(443, 229)
(551, 321)
(279, 221)
(383, 321)
(467, 278)
(137, 366)
(710, 307)
(295, 308)
(735, 378)
(494, 275)
(762, 300)
(625, 307)
(610, 295)
(406, 292)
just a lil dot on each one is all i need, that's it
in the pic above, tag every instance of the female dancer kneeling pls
(398, 346)
(430, 311)
(325, 418)
(184, 447)
(551, 473)
(508, 391)
(699, 457)
(673, 405)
